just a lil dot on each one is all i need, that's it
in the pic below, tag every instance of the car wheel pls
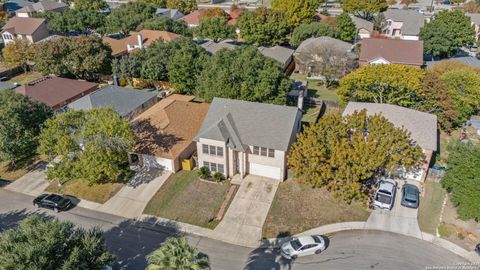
(55, 210)
(35, 205)
(318, 251)
(294, 257)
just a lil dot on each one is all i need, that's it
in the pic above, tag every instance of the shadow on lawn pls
(131, 241)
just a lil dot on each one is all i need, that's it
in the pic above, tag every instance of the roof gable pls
(23, 26)
(396, 51)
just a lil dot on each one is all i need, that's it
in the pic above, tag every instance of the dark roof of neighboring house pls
(23, 26)
(44, 5)
(171, 13)
(167, 128)
(278, 53)
(13, 5)
(412, 20)
(361, 23)
(323, 41)
(243, 123)
(54, 91)
(466, 59)
(123, 100)
(395, 51)
(7, 85)
(213, 47)
(422, 126)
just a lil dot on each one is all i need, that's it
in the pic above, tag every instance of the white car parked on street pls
(303, 246)
(385, 195)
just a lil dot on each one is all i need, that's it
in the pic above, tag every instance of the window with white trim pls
(212, 150)
(263, 151)
(214, 167)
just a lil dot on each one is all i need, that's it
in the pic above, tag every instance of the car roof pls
(306, 240)
(409, 188)
(54, 198)
(386, 184)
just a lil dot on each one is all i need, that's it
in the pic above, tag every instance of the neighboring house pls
(461, 57)
(56, 92)
(364, 27)
(475, 18)
(421, 126)
(234, 15)
(170, 13)
(374, 51)
(32, 29)
(240, 137)
(305, 52)
(403, 23)
(165, 132)
(13, 5)
(127, 102)
(282, 55)
(41, 7)
(7, 86)
(193, 19)
(137, 40)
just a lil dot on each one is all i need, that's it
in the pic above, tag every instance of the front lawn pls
(297, 207)
(317, 89)
(99, 193)
(25, 78)
(183, 197)
(11, 174)
(431, 207)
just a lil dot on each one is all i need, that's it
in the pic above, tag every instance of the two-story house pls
(41, 7)
(240, 137)
(403, 24)
(32, 29)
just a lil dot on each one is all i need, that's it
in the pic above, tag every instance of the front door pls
(237, 162)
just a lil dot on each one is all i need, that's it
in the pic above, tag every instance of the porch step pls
(236, 179)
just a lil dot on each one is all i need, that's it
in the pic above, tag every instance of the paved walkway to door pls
(400, 219)
(243, 222)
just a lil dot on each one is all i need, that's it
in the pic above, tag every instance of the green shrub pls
(204, 172)
(218, 176)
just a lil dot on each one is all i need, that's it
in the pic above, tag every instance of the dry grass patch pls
(183, 197)
(297, 207)
(25, 78)
(11, 174)
(99, 193)
(431, 207)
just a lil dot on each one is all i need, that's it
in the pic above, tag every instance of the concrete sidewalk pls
(33, 183)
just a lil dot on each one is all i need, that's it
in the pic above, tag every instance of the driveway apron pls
(243, 221)
(33, 183)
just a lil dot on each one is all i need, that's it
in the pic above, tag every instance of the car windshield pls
(383, 198)
(296, 244)
(55, 198)
(317, 239)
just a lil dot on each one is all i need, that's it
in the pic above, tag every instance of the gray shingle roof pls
(468, 60)
(44, 5)
(242, 123)
(123, 100)
(7, 85)
(412, 20)
(278, 53)
(361, 23)
(422, 126)
(171, 13)
(213, 47)
(323, 41)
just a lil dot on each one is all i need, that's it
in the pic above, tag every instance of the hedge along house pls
(240, 137)
(165, 132)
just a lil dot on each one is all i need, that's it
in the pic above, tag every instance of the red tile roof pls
(395, 51)
(56, 91)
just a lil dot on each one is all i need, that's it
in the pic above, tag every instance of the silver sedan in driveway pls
(303, 246)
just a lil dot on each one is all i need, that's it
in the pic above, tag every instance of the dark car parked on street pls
(53, 201)
(410, 196)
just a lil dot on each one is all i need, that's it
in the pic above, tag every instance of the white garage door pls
(156, 162)
(265, 171)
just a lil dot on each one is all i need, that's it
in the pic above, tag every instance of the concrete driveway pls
(33, 183)
(399, 220)
(132, 199)
(243, 222)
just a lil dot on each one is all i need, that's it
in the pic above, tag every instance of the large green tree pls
(344, 153)
(94, 5)
(364, 8)
(446, 33)
(462, 178)
(314, 29)
(176, 253)
(185, 6)
(82, 57)
(74, 20)
(297, 11)
(243, 73)
(346, 28)
(394, 84)
(20, 52)
(90, 145)
(20, 123)
(161, 23)
(263, 26)
(215, 28)
(49, 244)
(155, 3)
(128, 17)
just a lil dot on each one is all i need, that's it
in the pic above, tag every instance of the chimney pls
(140, 41)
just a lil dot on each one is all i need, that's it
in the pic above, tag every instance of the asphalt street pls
(131, 241)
